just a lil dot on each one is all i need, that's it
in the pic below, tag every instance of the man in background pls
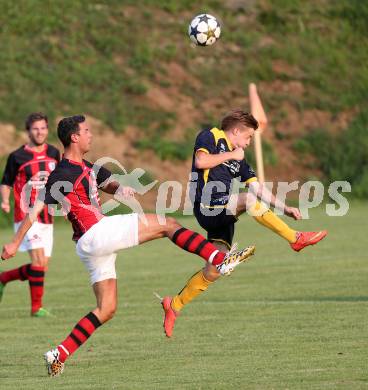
(26, 172)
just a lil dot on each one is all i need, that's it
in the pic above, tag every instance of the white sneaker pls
(54, 366)
(233, 259)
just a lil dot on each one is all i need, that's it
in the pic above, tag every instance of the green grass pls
(101, 57)
(344, 155)
(285, 320)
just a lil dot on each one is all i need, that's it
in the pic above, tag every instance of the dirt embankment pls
(287, 124)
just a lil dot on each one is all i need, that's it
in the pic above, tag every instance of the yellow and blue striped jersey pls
(214, 185)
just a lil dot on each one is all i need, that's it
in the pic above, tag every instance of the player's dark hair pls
(239, 116)
(68, 126)
(34, 117)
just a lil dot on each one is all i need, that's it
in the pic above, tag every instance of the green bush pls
(354, 11)
(268, 152)
(142, 57)
(167, 150)
(343, 156)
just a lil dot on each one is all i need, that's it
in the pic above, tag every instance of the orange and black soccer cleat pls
(53, 364)
(304, 239)
(169, 316)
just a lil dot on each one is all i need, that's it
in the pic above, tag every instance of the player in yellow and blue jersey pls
(218, 159)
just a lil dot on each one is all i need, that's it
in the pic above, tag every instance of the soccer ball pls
(204, 30)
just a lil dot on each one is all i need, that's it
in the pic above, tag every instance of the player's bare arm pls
(262, 192)
(114, 187)
(5, 195)
(9, 250)
(205, 160)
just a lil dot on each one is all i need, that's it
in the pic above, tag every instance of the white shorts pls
(98, 247)
(40, 235)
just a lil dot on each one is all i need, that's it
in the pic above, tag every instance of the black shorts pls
(219, 228)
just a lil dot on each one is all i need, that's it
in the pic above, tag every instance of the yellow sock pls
(269, 219)
(195, 286)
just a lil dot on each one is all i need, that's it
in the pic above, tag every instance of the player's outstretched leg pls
(106, 295)
(196, 285)
(192, 242)
(298, 240)
(172, 306)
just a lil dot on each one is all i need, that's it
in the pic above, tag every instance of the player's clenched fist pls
(9, 250)
(238, 154)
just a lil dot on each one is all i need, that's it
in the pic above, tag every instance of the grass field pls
(283, 321)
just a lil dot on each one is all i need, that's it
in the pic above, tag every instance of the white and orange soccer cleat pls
(53, 364)
(233, 259)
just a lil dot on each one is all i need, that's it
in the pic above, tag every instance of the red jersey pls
(27, 172)
(75, 186)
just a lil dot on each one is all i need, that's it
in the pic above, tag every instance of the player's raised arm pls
(205, 160)
(207, 155)
(107, 184)
(114, 187)
(9, 250)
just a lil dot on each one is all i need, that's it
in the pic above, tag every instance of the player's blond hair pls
(234, 117)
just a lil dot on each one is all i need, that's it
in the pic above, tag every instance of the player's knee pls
(172, 224)
(40, 261)
(106, 310)
(210, 273)
(108, 313)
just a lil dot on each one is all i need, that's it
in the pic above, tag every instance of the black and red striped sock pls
(195, 243)
(36, 277)
(20, 273)
(79, 335)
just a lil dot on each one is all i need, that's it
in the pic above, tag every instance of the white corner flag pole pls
(258, 112)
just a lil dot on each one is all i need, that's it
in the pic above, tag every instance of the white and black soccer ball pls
(204, 30)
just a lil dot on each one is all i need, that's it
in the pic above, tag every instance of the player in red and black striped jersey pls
(80, 197)
(26, 173)
(74, 183)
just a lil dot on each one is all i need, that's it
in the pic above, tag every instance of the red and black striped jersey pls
(75, 186)
(27, 172)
